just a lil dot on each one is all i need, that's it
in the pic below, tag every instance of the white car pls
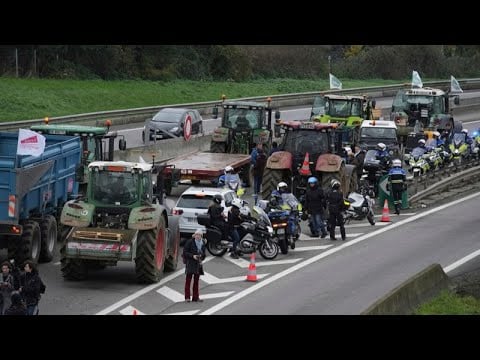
(195, 201)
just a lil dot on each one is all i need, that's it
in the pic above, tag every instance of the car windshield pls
(193, 201)
(303, 141)
(167, 116)
(378, 133)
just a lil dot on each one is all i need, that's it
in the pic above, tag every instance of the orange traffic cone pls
(385, 212)
(252, 269)
(305, 169)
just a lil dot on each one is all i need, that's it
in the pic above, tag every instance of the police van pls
(373, 132)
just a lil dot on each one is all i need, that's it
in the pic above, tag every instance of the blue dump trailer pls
(32, 193)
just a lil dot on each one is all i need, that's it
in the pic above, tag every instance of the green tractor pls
(243, 123)
(98, 144)
(120, 219)
(346, 109)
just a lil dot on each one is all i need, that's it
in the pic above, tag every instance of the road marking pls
(461, 261)
(176, 296)
(129, 311)
(365, 224)
(314, 259)
(211, 279)
(145, 290)
(305, 237)
(191, 312)
(57, 263)
(309, 248)
(245, 264)
(401, 214)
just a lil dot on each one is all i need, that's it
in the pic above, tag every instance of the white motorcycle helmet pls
(237, 203)
(282, 185)
(244, 211)
(397, 163)
(228, 170)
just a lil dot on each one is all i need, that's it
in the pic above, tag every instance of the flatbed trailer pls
(204, 166)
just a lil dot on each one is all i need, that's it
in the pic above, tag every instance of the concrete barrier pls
(165, 149)
(405, 298)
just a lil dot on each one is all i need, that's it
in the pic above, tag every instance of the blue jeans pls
(32, 309)
(317, 224)
(257, 183)
(236, 239)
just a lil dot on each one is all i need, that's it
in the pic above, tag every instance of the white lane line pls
(211, 279)
(145, 290)
(461, 261)
(401, 214)
(245, 264)
(305, 237)
(191, 312)
(172, 295)
(176, 296)
(309, 248)
(314, 259)
(129, 310)
(366, 224)
(57, 263)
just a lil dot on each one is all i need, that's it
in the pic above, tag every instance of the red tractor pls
(307, 149)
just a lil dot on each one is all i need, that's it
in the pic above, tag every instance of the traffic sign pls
(187, 128)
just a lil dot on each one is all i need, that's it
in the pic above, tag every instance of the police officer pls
(217, 217)
(397, 178)
(335, 208)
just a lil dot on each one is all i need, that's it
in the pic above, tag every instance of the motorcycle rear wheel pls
(216, 249)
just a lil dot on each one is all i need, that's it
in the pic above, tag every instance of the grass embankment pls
(24, 99)
(449, 303)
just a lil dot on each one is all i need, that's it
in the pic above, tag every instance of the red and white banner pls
(30, 143)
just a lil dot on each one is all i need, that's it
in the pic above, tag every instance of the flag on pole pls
(335, 83)
(416, 80)
(454, 85)
(30, 143)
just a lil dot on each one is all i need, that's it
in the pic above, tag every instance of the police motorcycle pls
(476, 143)
(256, 233)
(231, 181)
(459, 148)
(417, 161)
(359, 206)
(373, 170)
(285, 216)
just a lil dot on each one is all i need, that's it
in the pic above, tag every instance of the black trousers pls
(336, 218)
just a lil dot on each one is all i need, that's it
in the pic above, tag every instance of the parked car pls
(196, 200)
(170, 123)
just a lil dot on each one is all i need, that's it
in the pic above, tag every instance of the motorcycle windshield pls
(261, 216)
(458, 139)
(232, 181)
(290, 200)
(418, 152)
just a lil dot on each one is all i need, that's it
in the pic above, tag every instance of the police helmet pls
(381, 146)
(228, 169)
(421, 142)
(237, 203)
(217, 198)
(396, 163)
(282, 186)
(335, 184)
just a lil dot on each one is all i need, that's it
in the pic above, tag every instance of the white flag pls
(30, 143)
(416, 80)
(454, 85)
(335, 83)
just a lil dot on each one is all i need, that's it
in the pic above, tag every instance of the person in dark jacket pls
(358, 160)
(6, 287)
(397, 178)
(315, 203)
(30, 284)
(17, 307)
(335, 208)
(274, 149)
(217, 217)
(258, 169)
(194, 254)
(234, 221)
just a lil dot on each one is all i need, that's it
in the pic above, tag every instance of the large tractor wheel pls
(27, 246)
(48, 229)
(350, 179)
(72, 269)
(217, 147)
(151, 250)
(327, 177)
(271, 178)
(173, 244)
